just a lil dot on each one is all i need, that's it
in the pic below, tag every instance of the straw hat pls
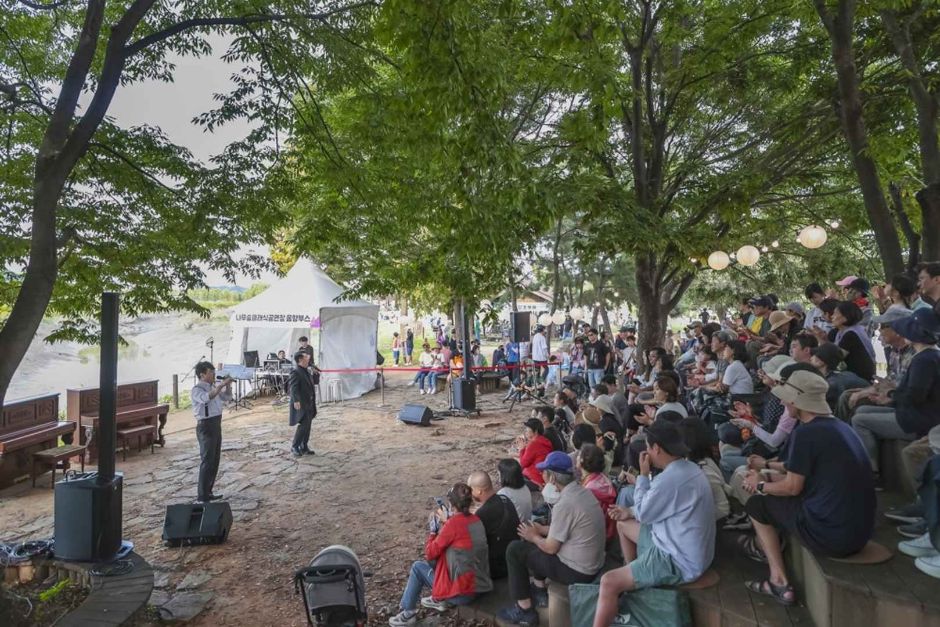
(779, 318)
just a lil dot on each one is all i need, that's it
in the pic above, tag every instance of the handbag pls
(649, 607)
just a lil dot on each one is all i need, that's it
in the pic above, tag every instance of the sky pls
(173, 106)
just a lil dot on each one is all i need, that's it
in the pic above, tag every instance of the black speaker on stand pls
(520, 326)
(88, 507)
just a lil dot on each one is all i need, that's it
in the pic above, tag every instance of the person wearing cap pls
(928, 282)
(533, 447)
(815, 317)
(783, 326)
(608, 425)
(857, 292)
(899, 353)
(668, 534)
(570, 550)
(917, 397)
(826, 497)
(759, 324)
(826, 358)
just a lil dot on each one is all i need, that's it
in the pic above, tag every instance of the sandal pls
(748, 545)
(784, 595)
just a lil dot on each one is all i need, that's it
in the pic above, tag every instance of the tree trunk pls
(652, 313)
(929, 200)
(925, 104)
(556, 262)
(841, 31)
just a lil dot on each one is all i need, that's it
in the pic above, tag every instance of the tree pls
(840, 24)
(90, 206)
(418, 184)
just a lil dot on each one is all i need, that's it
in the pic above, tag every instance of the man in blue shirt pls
(826, 497)
(668, 535)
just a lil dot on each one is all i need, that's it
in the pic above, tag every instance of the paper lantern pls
(748, 255)
(576, 313)
(775, 243)
(812, 236)
(558, 317)
(545, 320)
(718, 260)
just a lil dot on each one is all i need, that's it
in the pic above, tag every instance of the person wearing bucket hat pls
(826, 495)
(533, 447)
(917, 397)
(668, 535)
(569, 550)
(826, 358)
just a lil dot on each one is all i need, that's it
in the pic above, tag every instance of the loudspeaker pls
(88, 517)
(197, 523)
(465, 396)
(520, 326)
(414, 414)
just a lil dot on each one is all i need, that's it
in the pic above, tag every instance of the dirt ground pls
(369, 487)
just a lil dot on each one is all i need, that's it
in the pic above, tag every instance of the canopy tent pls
(306, 302)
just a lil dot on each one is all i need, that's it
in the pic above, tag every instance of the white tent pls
(306, 302)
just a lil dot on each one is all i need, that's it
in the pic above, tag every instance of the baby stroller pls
(333, 588)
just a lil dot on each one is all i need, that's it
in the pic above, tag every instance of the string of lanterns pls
(812, 237)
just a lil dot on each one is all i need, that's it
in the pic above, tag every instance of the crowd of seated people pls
(768, 425)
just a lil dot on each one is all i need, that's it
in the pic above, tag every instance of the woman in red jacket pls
(534, 447)
(456, 567)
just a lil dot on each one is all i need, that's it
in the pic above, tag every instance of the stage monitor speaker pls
(465, 397)
(197, 523)
(251, 359)
(414, 414)
(88, 517)
(520, 326)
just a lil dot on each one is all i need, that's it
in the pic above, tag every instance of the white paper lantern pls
(748, 255)
(718, 260)
(576, 313)
(775, 243)
(558, 317)
(545, 319)
(813, 236)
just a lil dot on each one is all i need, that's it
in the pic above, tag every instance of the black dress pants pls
(209, 435)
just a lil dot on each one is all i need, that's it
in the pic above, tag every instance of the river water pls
(159, 346)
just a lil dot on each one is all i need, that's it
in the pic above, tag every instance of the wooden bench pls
(489, 381)
(27, 426)
(137, 405)
(140, 431)
(55, 456)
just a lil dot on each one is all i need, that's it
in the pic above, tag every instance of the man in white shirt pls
(540, 351)
(208, 398)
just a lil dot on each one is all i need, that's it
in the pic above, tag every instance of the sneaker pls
(910, 513)
(737, 522)
(431, 604)
(913, 530)
(421, 392)
(918, 547)
(929, 565)
(515, 615)
(410, 384)
(403, 619)
(434, 391)
(539, 596)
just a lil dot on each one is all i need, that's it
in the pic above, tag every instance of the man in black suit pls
(303, 406)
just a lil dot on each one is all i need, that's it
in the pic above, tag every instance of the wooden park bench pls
(143, 432)
(54, 457)
(26, 427)
(137, 406)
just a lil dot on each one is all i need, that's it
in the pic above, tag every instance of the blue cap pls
(557, 461)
